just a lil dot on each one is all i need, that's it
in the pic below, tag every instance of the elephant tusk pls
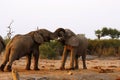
(58, 38)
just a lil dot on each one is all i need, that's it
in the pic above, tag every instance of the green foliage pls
(98, 33)
(113, 33)
(50, 50)
(104, 47)
(105, 31)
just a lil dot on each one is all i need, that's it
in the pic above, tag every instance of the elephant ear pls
(73, 41)
(38, 38)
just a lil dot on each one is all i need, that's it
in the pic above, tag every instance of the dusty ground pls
(98, 69)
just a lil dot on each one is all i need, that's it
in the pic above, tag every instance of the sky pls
(81, 16)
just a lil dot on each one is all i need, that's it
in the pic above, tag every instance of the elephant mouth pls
(59, 38)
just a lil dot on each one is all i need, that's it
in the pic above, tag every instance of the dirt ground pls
(98, 69)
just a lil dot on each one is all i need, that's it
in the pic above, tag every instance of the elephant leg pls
(72, 58)
(28, 62)
(12, 57)
(9, 65)
(3, 65)
(36, 58)
(76, 62)
(6, 59)
(64, 57)
(84, 60)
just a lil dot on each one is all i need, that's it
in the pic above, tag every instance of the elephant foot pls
(84, 67)
(76, 67)
(27, 69)
(9, 68)
(62, 68)
(36, 68)
(2, 67)
(71, 69)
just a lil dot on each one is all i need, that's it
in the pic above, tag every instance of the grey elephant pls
(76, 45)
(2, 44)
(26, 45)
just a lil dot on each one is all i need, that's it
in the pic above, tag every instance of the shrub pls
(106, 47)
(50, 50)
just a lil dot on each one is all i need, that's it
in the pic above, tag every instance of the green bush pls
(106, 47)
(50, 50)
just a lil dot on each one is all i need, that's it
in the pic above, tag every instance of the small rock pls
(43, 66)
(70, 73)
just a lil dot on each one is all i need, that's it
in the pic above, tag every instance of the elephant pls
(2, 44)
(26, 45)
(74, 44)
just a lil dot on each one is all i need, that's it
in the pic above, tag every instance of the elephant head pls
(60, 32)
(36, 36)
(67, 37)
(42, 35)
(47, 35)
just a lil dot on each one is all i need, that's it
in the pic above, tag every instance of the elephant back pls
(45, 34)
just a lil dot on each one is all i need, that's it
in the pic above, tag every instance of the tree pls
(9, 34)
(98, 33)
(118, 34)
(113, 33)
(105, 31)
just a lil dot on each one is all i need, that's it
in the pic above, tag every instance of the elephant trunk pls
(59, 31)
(60, 34)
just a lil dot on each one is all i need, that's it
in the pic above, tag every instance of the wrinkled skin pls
(74, 44)
(2, 44)
(25, 45)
